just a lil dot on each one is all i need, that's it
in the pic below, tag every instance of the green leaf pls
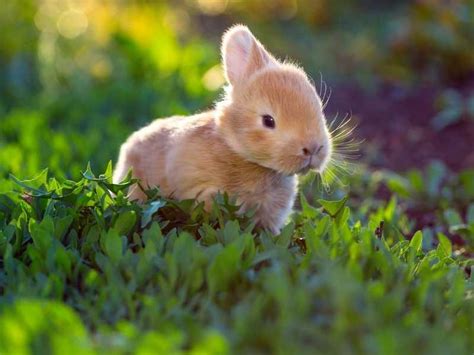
(64, 259)
(152, 233)
(470, 214)
(224, 268)
(466, 178)
(445, 248)
(284, 238)
(208, 235)
(31, 326)
(343, 216)
(436, 172)
(417, 241)
(452, 217)
(416, 180)
(231, 232)
(88, 174)
(446, 118)
(125, 222)
(148, 212)
(61, 226)
(399, 184)
(108, 172)
(390, 210)
(42, 233)
(333, 207)
(37, 186)
(308, 210)
(112, 243)
(452, 109)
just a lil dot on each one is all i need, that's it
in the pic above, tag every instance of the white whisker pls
(325, 103)
(331, 124)
(345, 150)
(347, 118)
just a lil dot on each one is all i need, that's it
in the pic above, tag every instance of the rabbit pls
(268, 127)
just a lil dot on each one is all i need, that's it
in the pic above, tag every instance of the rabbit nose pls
(313, 149)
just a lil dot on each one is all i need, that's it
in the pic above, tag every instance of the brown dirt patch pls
(395, 123)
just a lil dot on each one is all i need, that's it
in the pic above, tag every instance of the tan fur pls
(229, 149)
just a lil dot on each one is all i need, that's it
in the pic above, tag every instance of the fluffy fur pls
(229, 149)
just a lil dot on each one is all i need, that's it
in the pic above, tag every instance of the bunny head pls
(271, 114)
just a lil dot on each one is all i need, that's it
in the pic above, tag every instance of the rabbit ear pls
(243, 54)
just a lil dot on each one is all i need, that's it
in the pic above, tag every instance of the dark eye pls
(268, 121)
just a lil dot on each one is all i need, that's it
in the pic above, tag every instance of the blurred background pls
(78, 76)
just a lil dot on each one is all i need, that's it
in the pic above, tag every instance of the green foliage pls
(434, 187)
(84, 267)
(434, 40)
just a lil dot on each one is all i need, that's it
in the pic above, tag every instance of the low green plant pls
(87, 270)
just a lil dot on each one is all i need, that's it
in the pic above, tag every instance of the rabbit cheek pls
(290, 155)
(256, 137)
(259, 146)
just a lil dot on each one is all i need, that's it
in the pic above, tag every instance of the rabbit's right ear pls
(243, 54)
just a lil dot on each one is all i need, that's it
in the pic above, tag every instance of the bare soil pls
(395, 123)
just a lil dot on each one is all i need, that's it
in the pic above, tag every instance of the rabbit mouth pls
(306, 167)
(313, 163)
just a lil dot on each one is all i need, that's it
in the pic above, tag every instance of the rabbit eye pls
(268, 121)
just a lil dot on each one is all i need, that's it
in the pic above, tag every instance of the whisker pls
(345, 147)
(353, 149)
(342, 144)
(323, 98)
(323, 91)
(342, 159)
(346, 119)
(345, 167)
(321, 83)
(334, 176)
(336, 171)
(326, 187)
(328, 98)
(340, 156)
(342, 132)
(343, 164)
(347, 164)
(347, 143)
(333, 121)
(345, 150)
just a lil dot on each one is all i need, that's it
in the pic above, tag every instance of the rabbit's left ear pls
(243, 54)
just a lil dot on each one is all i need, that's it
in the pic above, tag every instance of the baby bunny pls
(269, 127)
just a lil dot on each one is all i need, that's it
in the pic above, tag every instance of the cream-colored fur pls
(229, 149)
